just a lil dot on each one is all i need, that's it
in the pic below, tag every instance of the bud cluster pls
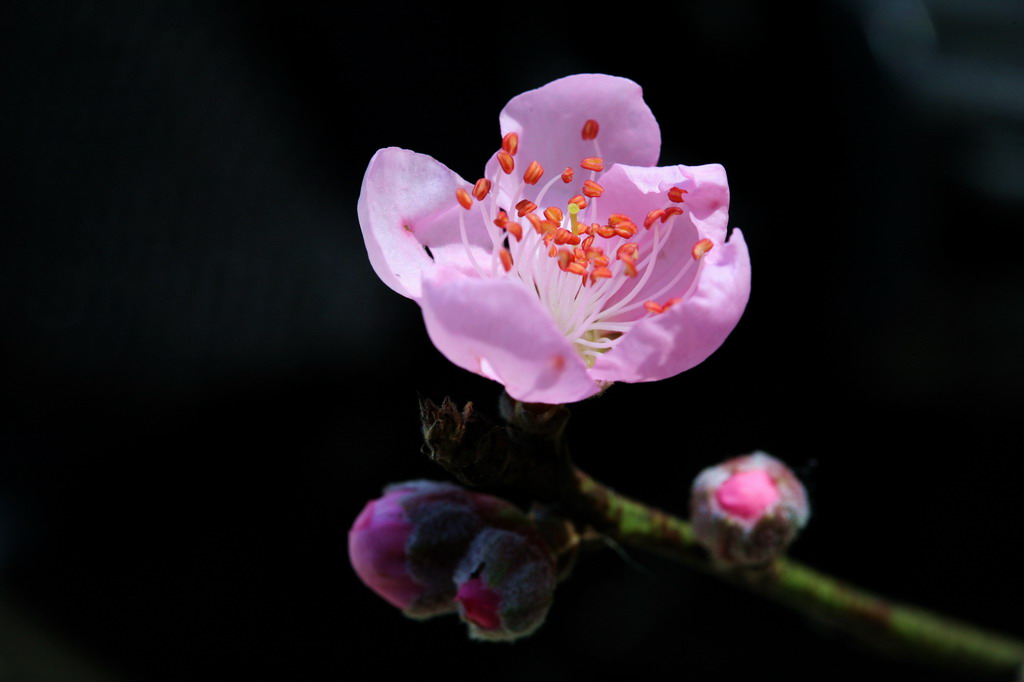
(433, 548)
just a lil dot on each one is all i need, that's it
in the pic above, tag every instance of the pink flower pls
(575, 261)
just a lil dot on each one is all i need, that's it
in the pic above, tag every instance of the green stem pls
(897, 628)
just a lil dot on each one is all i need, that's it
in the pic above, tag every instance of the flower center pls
(589, 273)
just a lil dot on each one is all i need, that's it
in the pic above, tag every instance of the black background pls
(204, 381)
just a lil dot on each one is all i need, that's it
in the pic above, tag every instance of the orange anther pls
(616, 218)
(564, 258)
(549, 237)
(577, 269)
(553, 251)
(652, 216)
(593, 163)
(464, 199)
(653, 307)
(671, 302)
(553, 213)
(601, 272)
(516, 230)
(579, 254)
(533, 173)
(567, 175)
(606, 231)
(506, 259)
(534, 221)
(601, 261)
(592, 189)
(510, 143)
(525, 206)
(629, 267)
(627, 250)
(579, 201)
(626, 229)
(548, 226)
(701, 247)
(502, 219)
(507, 163)
(588, 242)
(676, 194)
(671, 211)
(481, 188)
(562, 235)
(590, 129)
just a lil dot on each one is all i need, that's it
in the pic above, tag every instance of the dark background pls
(203, 380)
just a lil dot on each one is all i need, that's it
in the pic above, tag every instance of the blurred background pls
(204, 381)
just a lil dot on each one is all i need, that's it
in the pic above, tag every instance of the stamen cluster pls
(563, 252)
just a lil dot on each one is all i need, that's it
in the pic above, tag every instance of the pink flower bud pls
(506, 584)
(405, 545)
(747, 510)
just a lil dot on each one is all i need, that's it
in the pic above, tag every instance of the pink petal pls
(407, 202)
(683, 336)
(499, 329)
(635, 191)
(549, 121)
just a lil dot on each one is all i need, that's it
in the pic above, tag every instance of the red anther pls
(510, 143)
(652, 216)
(577, 269)
(516, 230)
(507, 163)
(506, 259)
(464, 199)
(616, 218)
(588, 243)
(701, 247)
(601, 261)
(564, 259)
(676, 194)
(502, 219)
(601, 271)
(629, 267)
(671, 211)
(626, 229)
(553, 213)
(567, 175)
(573, 239)
(579, 201)
(525, 206)
(627, 250)
(606, 231)
(590, 129)
(593, 163)
(481, 188)
(548, 226)
(533, 173)
(653, 307)
(587, 229)
(592, 189)
(535, 222)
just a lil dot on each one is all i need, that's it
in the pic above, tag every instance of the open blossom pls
(575, 261)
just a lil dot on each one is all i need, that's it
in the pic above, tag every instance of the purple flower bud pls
(506, 584)
(747, 510)
(405, 545)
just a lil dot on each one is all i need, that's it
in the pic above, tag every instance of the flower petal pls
(500, 330)
(549, 122)
(407, 202)
(687, 333)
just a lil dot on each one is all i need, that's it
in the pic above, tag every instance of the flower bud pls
(747, 510)
(405, 545)
(506, 584)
